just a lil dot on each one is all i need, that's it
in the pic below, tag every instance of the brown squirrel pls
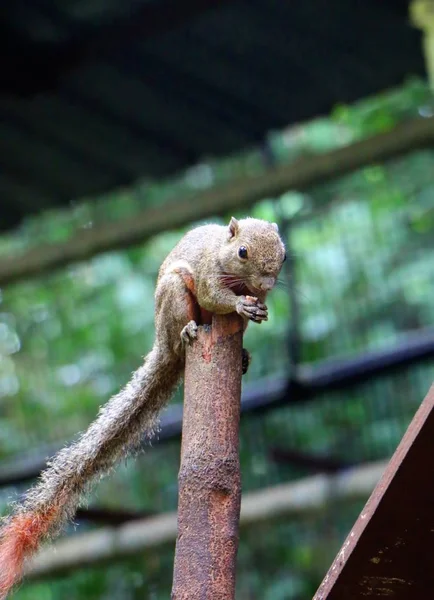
(213, 269)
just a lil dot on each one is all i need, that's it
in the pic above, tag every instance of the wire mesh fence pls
(362, 254)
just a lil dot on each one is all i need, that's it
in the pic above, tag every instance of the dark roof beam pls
(50, 62)
(243, 115)
(16, 195)
(175, 152)
(223, 69)
(220, 105)
(32, 128)
(179, 114)
(94, 105)
(262, 50)
(192, 93)
(50, 171)
(37, 179)
(351, 52)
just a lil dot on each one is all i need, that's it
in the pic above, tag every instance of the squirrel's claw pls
(251, 308)
(189, 332)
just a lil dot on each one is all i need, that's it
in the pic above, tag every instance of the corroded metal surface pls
(390, 550)
(209, 476)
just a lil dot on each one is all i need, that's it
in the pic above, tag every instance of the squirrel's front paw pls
(251, 308)
(189, 332)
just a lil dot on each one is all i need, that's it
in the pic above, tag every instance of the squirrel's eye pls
(242, 252)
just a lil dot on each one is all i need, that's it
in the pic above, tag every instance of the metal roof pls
(96, 94)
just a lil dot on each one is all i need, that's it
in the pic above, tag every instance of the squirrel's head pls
(253, 254)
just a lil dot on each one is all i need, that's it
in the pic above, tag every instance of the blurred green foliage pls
(363, 252)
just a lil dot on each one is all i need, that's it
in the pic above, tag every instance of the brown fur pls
(202, 275)
(20, 538)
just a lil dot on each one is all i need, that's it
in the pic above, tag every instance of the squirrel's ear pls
(275, 227)
(233, 228)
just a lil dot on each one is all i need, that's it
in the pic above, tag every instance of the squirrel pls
(213, 269)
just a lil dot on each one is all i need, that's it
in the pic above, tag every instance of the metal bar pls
(290, 272)
(265, 395)
(112, 517)
(315, 463)
(308, 496)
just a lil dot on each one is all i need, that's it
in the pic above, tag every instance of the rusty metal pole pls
(209, 475)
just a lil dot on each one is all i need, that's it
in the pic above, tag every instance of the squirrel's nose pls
(267, 283)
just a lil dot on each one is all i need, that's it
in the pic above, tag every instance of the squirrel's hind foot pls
(189, 332)
(246, 358)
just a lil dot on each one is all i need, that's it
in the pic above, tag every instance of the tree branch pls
(234, 195)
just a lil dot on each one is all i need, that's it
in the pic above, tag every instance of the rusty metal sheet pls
(389, 552)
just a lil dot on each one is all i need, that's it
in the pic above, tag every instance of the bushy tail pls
(119, 428)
